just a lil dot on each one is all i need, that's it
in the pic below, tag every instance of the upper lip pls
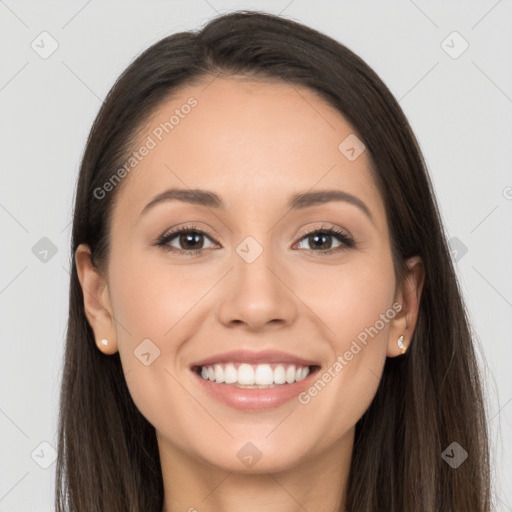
(247, 356)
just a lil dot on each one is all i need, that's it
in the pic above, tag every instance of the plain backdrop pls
(455, 89)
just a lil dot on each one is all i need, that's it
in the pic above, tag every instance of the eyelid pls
(187, 227)
(324, 226)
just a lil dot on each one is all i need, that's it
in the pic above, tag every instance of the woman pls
(263, 310)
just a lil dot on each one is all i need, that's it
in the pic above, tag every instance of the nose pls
(256, 293)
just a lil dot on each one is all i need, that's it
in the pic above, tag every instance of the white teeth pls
(260, 375)
(279, 374)
(219, 373)
(264, 375)
(304, 371)
(245, 374)
(230, 374)
(290, 374)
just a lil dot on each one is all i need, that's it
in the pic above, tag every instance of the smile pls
(254, 381)
(254, 376)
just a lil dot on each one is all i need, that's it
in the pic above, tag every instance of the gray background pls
(460, 107)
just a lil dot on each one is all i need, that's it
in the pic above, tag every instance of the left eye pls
(317, 239)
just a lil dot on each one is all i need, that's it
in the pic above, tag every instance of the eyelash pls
(347, 241)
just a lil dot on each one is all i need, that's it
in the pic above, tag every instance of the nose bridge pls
(257, 292)
(253, 263)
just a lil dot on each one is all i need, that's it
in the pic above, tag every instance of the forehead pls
(256, 143)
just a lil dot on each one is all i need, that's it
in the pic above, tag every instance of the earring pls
(401, 345)
(104, 342)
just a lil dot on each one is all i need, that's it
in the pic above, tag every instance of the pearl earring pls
(104, 342)
(401, 345)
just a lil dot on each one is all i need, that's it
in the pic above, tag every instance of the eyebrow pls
(296, 202)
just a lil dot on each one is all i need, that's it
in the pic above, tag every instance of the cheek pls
(149, 297)
(352, 298)
(364, 309)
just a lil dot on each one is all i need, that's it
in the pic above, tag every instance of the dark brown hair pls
(428, 398)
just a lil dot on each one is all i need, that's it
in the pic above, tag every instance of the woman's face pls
(251, 288)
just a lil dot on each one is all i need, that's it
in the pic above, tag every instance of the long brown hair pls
(428, 398)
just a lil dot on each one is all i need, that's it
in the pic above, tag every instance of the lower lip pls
(255, 399)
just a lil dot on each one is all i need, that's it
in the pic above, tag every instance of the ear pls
(98, 309)
(408, 294)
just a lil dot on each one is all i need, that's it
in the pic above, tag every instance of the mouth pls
(254, 381)
(254, 376)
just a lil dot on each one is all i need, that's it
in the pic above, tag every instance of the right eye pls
(189, 235)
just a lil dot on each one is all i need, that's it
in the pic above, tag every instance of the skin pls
(255, 144)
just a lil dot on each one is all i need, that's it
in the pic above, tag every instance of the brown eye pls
(190, 241)
(321, 239)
